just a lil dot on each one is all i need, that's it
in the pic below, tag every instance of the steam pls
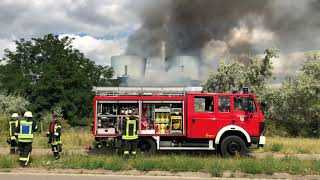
(212, 29)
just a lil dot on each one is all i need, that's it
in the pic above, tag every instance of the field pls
(215, 166)
(71, 138)
(76, 139)
(291, 145)
(80, 137)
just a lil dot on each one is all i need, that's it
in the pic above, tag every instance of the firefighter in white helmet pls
(26, 127)
(12, 138)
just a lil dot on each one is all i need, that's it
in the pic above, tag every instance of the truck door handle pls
(193, 121)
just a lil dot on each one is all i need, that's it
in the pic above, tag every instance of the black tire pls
(233, 146)
(147, 146)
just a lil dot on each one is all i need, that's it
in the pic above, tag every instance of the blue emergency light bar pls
(245, 90)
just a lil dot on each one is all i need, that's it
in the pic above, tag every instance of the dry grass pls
(174, 163)
(292, 145)
(71, 138)
(80, 137)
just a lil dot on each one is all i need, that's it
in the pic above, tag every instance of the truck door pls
(245, 113)
(224, 112)
(201, 121)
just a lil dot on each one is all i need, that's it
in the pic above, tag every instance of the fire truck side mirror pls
(250, 108)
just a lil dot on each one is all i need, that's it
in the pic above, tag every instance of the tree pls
(12, 103)
(236, 75)
(51, 73)
(296, 105)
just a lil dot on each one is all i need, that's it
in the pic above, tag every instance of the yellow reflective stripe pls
(127, 135)
(126, 152)
(130, 137)
(55, 130)
(25, 136)
(13, 138)
(25, 159)
(134, 152)
(24, 140)
(56, 143)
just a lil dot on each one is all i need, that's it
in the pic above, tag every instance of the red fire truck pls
(179, 118)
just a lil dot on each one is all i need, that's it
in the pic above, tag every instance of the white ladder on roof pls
(145, 91)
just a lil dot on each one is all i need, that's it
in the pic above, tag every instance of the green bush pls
(277, 147)
(47, 118)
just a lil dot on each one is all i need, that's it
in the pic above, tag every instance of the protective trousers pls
(13, 146)
(130, 146)
(56, 146)
(25, 149)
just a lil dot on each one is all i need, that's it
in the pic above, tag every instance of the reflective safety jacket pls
(12, 129)
(131, 129)
(54, 128)
(26, 129)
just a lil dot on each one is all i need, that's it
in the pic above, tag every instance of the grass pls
(292, 145)
(77, 138)
(174, 163)
(71, 138)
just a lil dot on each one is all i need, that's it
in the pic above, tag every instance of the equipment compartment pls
(155, 117)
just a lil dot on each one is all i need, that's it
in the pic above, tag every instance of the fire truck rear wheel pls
(233, 146)
(147, 146)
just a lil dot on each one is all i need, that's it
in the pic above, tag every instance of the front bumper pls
(259, 140)
(262, 141)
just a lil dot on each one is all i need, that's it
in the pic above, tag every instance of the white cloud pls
(98, 50)
(6, 44)
(27, 18)
(93, 19)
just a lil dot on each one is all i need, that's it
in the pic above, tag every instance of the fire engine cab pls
(178, 118)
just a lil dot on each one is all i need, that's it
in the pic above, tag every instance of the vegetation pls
(10, 103)
(236, 75)
(78, 138)
(72, 138)
(173, 163)
(293, 109)
(51, 73)
(290, 145)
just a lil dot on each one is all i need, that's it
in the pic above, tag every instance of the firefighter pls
(12, 139)
(54, 135)
(25, 129)
(130, 137)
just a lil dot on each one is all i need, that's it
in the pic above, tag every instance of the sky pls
(100, 27)
(105, 28)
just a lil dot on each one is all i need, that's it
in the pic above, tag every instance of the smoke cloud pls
(212, 29)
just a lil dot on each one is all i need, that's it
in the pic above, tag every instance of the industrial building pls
(133, 70)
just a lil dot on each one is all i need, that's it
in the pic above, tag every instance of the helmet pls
(55, 115)
(15, 115)
(28, 114)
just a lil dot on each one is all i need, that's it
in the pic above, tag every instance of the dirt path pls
(134, 174)
(259, 155)
(282, 155)
(42, 151)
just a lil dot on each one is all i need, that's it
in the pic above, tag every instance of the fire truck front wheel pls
(147, 146)
(233, 146)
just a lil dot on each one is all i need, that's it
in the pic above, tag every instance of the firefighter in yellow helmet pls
(130, 137)
(12, 138)
(26, 127)
(54, 135)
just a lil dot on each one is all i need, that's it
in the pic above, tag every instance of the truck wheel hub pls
(233, 147)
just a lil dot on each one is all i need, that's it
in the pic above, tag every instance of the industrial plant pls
(132, 70)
